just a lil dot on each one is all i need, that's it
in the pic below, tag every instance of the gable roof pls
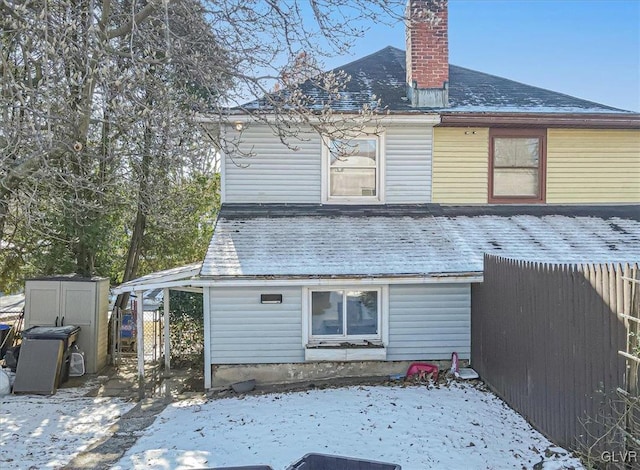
(429, 240)
(381, 76)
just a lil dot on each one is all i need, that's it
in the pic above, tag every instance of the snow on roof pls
(174, 274)
(396, 241)
(11, 303)
(380, 77)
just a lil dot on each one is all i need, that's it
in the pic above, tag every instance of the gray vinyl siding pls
(244, 331)
(277, 174)
(408, 164)
(274, 173)
(429, 322)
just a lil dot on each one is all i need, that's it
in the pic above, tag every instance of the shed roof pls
(11, 304)
(289, 241)
(381, 76)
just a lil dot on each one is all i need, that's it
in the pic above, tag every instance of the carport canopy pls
(182, 278)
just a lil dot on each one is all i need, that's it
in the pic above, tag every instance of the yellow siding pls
(460, 165)
(593, 166)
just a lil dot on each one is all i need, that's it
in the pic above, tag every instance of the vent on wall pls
(270, 298)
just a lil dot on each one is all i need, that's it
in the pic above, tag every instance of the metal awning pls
(180, 278)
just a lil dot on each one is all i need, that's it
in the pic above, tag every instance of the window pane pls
(353, 153)
(352, 182)
(515, 182)
(326, 313)
(362, 313)
(516, 152)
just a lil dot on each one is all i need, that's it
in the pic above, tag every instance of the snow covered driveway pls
(452, 427)
(48, 431)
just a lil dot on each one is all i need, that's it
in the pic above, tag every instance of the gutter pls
(573, 120)
(414, 118)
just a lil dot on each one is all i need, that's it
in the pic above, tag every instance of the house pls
(330, 262)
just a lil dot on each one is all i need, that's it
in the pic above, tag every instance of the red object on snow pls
(423, 369)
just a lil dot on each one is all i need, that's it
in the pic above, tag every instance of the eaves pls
(580, 121)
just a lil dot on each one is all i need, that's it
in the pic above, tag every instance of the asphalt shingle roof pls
(418, 240)
(381, 76)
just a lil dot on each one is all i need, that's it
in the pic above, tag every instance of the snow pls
(459, 425)
(455, 426)
(48, 431)
(341, 245)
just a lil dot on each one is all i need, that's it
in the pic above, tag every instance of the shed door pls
(42, 303)
(78, 303)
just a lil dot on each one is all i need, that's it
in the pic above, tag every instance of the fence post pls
(140, 342)
(167, 339)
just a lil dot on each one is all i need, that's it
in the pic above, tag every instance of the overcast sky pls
(585, 48)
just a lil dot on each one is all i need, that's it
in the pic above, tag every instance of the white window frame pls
(380, 171)
(324, 348)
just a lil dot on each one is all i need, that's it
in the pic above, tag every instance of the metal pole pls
(140, 342)
(167, 342)
(206, 305)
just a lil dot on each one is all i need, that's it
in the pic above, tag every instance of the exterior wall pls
(276, 174)
(408, 164)
(583, 166)
(429, 322)
(244, 331)
(460, 165)
(425, 322)
(593, 166)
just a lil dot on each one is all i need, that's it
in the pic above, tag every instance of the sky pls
(589, 49)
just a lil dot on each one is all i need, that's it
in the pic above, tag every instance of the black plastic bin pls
(67, 334)
(334, 462)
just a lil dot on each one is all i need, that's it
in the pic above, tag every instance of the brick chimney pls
(427, 53)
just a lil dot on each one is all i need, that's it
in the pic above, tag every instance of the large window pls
(517, 165)
(353, 170)
(344, 314)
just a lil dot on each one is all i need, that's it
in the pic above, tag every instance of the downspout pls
(206, 314)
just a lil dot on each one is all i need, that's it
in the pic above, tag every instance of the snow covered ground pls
(48, 431)
(451, 427)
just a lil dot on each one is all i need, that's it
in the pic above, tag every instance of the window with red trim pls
(517, 165)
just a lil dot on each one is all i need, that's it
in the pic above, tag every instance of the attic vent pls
(270, 298)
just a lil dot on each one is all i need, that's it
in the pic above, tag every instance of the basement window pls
(517, 165)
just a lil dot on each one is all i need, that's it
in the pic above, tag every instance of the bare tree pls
(101, 102)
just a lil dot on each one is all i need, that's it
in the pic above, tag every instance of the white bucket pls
(5, 383)
(76, 364)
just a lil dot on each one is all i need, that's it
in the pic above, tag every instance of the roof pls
(174, 277)
(307, 240)
(381, 76)
(11, 303)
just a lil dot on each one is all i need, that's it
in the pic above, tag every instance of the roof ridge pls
(362, 59)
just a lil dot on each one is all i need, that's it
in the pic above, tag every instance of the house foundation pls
(269, 374)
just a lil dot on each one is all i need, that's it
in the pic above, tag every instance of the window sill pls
(343, 352)
(515, 200)
(362, 200)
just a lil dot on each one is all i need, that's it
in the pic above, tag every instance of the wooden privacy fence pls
(554, 342)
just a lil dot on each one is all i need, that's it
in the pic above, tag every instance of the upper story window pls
(352, 170)
(517, 165)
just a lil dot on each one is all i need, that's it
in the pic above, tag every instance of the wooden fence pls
(553, 341)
